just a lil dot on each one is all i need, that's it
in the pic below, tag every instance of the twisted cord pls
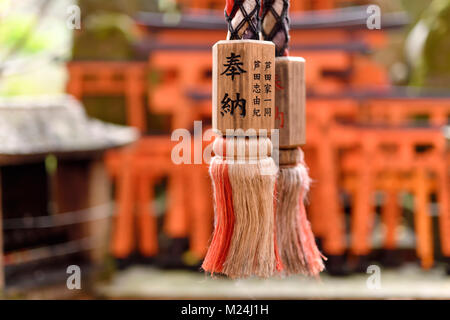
(243, 19)
(275, 24)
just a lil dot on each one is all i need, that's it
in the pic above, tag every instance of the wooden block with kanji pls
(243, 87)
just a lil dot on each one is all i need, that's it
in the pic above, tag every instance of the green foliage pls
(415, 7)
(28, 45)
(15, 27)
(106, 36)
(30, 82)
(109, 109)
(433, 68)
(94, 7)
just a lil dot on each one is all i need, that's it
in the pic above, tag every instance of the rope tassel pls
(298, 249)
(224, 218)
(242, 171)
(299, 252)
(243, 243)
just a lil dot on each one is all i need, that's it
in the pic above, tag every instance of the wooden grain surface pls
(243, 86)
(290, 101)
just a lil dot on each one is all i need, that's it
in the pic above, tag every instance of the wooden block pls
(243, 86)
(243, 147)
(289, 157)
(290, 101)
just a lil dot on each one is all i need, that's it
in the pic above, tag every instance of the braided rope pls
(275, 24)
(243, 19)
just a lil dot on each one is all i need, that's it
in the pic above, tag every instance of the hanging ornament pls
(242, 171)
(298, 251)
